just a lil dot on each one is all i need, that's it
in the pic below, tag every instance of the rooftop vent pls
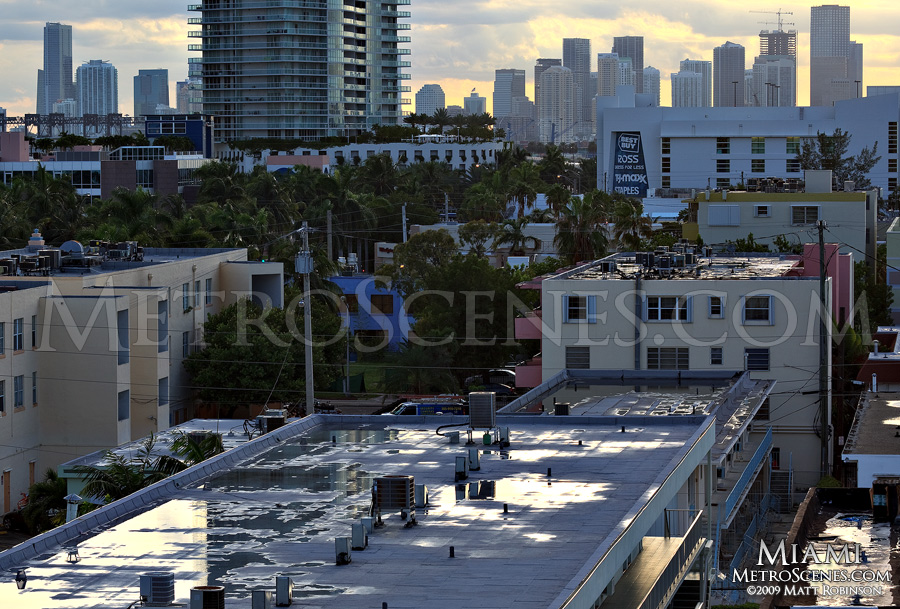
(284, 591)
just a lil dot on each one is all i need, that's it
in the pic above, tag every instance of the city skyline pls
(458, 46)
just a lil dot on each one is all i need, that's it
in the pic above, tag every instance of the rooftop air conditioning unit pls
(207, 597)
(394, 492)
(158, 588)
(482, 410)
(261, 599)
(608, 266)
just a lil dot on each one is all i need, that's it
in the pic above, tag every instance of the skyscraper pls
(97, 84)
(508, 84)
(577, 58)
(651, 84)
(688, 90)
(151, 88)
(301, 75)
(429, 98)
(633, 48)
(775, 70)
(830, 55)
(557, 117)
(539, 67)
(475, 104)
(704, 69)
(728, 75)
(607, 74)
(55, 80)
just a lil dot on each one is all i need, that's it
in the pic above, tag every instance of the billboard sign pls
(629, 170)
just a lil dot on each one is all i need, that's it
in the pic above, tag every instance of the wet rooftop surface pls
(278, 514)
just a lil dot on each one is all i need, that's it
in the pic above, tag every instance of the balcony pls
(529, 326)
(528, 375)
(733, 488)
(654, 577)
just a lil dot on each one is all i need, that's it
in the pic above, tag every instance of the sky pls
(456, 44)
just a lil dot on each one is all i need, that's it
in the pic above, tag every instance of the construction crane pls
(779, 12)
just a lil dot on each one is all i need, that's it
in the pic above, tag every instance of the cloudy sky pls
(457, 44)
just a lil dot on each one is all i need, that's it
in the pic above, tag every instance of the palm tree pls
(553, 164)
(513, 233)
(46, 507)
(579, 229)
(524, 183)
(441, 119)
(630, 224)
(557, 197)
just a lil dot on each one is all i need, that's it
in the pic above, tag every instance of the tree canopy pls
(830, 152)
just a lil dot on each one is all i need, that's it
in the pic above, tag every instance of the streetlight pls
(347, 378)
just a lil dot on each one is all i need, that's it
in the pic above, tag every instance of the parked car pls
(428, 408)
(501, 376)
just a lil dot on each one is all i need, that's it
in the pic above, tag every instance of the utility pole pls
(328, 233)
(823, 351)
(403, 214)
(303, 264)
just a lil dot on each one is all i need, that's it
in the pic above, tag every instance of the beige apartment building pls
(92, 343)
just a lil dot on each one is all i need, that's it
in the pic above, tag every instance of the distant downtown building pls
(633, 48)
(775, 69)
(607, 73)
(692, 85)
(97, 84)
(577, 58)
(728, 73)
(291, 72)
(429, 99)
(557, 117)
(474, 104)
(539, 67)
(55, 79)
(508, 84)
(151, 89)
(651, 84)
(835, 63)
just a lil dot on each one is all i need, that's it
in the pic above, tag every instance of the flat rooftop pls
(876, 426)
(279, 511)
(707, 267)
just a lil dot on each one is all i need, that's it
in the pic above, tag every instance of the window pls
(716, 307)
(892, 138)
(162, 326)
(723, 166)
(758, 310)
(185, 344)
(758, 165)
(756, 359)
(892, 165)
(763, 413)
(34, 388)
(18, 334)
(578, 357)
(723, 183)
(761, 211)
(666, 182)
(579, 309)
(122, 333)
(666, 145)
(723, 215)
(892, 186)
(208, 297)
(668, 308)
(382, 304)
(776, 457)
(124, 406)
(666, 165)
(758, 145)
(667, 358)
(33, 331)
(792, 146)
(185, 296)
(723, 145)
(351, 303)
(197, 293)
(804, 214)
(2, 396)
(163, 392)
(715, 356)
(19, 391)
(792, 165)
(2, 338)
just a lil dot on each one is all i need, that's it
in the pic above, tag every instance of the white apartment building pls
(92, 345)
(683, 312)
(721, 147)
(97, 86)
(850, 217)
(557, 110)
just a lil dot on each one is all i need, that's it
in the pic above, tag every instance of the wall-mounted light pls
(21, 579)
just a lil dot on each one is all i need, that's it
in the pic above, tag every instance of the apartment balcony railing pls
(529, 326)
(749, 474)
(249, 4)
